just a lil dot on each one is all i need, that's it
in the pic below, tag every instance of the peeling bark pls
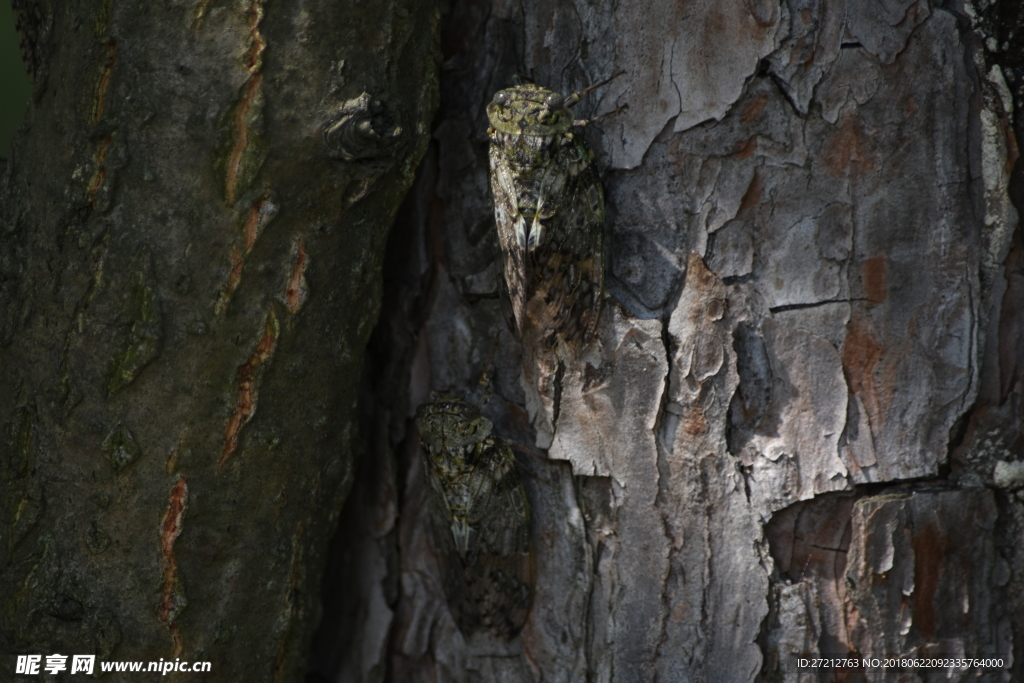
(798, 431)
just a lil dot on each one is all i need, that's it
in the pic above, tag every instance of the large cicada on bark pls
(479, 516)
(549, 209)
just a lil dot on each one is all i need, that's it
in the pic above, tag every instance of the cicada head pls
(528, 110)
(449, 423)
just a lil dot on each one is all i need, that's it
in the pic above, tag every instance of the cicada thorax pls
(549, 211)
(479, 518)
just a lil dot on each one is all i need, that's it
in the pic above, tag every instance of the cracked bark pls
(179, 357)
(798, 430)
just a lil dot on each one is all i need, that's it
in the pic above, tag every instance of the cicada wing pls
(497, 572)
(565, 290)
(511, 238)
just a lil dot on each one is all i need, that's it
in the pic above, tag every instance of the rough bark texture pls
(193, 221)
(799, 432)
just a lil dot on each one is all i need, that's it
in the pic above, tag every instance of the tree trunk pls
(800, 430)
(193, 223)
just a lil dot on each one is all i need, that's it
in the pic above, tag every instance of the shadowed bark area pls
(193, 222)
(798, 432)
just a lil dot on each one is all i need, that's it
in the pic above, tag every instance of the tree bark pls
(800, 430)
(194, 217)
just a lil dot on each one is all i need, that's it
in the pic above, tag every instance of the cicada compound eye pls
(501, 97)
(554, 101)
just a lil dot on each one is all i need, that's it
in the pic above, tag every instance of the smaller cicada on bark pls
(479, 516)
(549, 209)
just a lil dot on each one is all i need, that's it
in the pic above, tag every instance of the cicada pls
(479, 516)
(549, 209)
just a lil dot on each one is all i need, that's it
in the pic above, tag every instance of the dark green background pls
(14, 84)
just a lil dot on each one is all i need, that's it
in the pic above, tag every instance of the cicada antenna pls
(573, 99)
